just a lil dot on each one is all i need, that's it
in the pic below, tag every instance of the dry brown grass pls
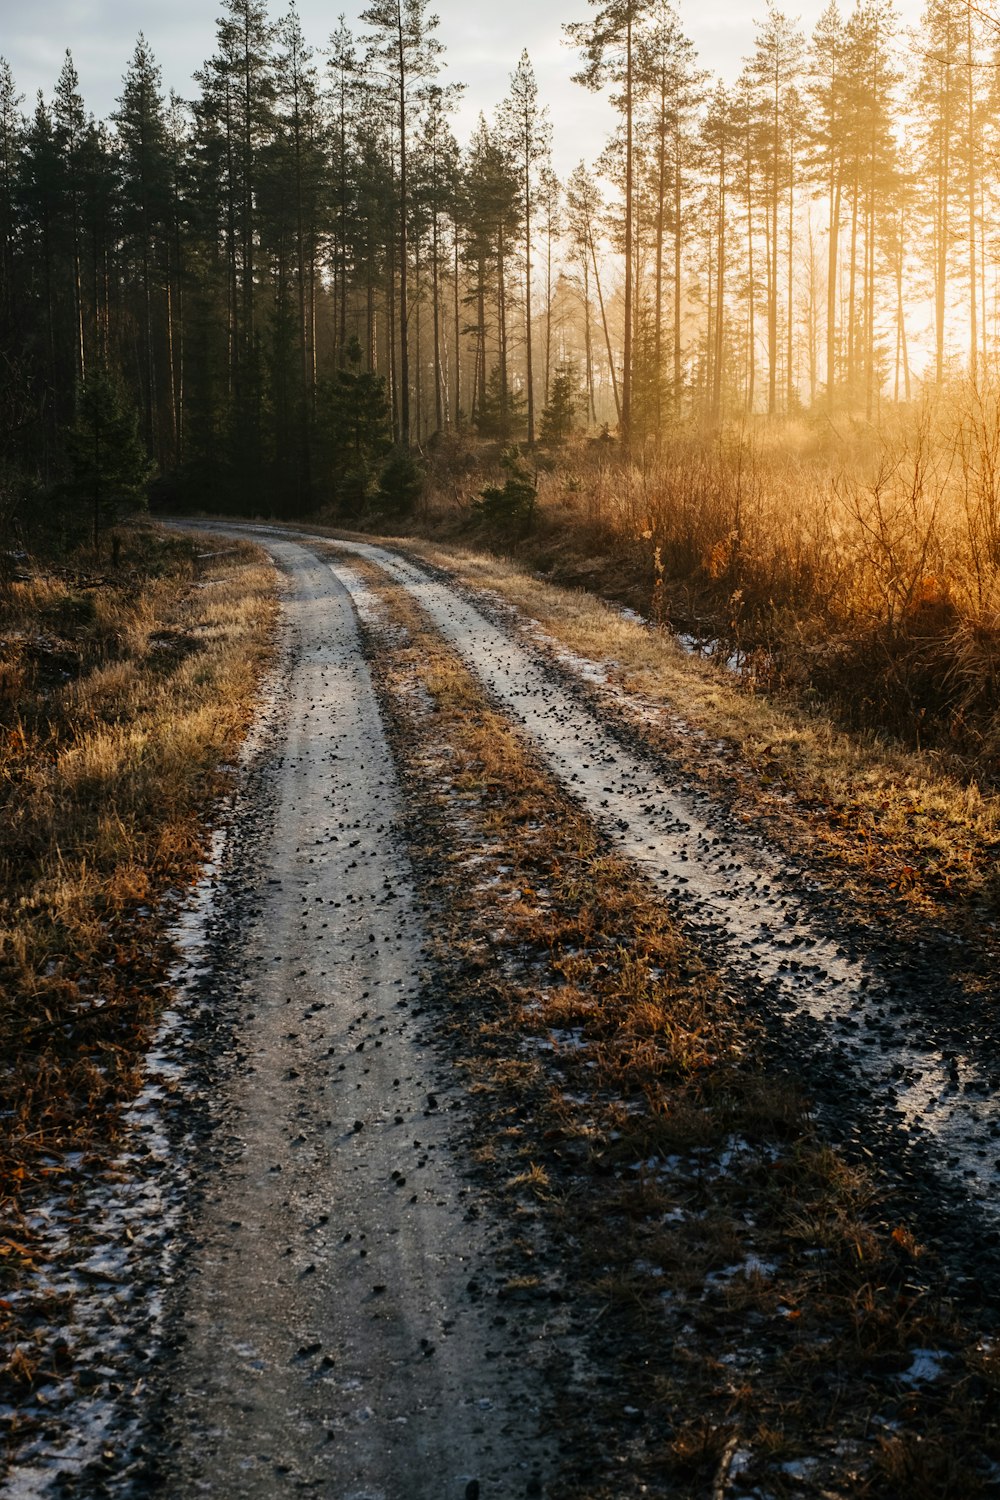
(903, 816)
(849, 565)
(121, 697)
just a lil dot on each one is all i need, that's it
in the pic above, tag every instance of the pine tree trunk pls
(832, 264)
(527, 302)
(678, 288)
(607, 335)
(625, 409)
(404, 316)
(720, 303)
(436, 308)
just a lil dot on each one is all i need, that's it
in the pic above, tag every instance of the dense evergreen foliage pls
(300, 271)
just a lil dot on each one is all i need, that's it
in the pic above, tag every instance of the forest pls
(499, 750)
(750, 350)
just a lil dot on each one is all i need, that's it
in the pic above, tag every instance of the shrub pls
(510, 508)
(401, 483)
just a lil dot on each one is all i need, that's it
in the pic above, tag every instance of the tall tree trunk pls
(607, 335)
(971, 142)
(588, 344)
(659, 251)
(418, 383)
(393, 382)
(832, 277)
(404, 344)
(790, 331)
(772, 267)
(529, 368)
(502, 332)
(548, 310)
(752, 297)
(720, 303)
(625, 409)
(436, 309)
(458, 335)
(678, 247)
(852, 340)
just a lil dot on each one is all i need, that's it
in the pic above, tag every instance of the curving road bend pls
(335, 1337)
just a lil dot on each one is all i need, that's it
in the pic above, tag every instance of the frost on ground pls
(108, 1238)
(734, 890)
(106, 1246)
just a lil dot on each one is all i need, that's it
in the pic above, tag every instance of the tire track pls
(336, 1334)
(866, 1024)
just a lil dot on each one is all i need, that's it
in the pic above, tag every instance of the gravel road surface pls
(335, 1339)
(739, 894)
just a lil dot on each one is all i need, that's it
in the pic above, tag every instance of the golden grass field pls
(847, 565)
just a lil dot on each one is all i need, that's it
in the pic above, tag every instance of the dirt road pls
(868, 1023)
(335, 1339)
(372, 1304)
(740, 895)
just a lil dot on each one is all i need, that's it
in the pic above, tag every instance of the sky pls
(483, 41)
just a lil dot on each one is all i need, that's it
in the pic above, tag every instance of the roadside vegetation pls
(657, 1175)
(125, 689)
(845, 567)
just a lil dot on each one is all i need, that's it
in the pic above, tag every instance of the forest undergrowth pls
(843, 566)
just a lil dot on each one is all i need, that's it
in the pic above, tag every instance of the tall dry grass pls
(850, 564)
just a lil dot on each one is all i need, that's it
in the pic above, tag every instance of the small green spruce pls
(560, 419)
(356, 430)
(401, 484)
(510, 508)
(108, 463)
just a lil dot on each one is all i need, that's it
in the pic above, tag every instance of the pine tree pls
(772, 74)
(343, 100)
(608, 44)
(70, 124)
(525, 123)
(826, 143)
(142, 144)
(584, 206)
(437, 166)
(355, 429)
(492, 220)
(671, 90)
(11, 134)
(561, 416)
(107, 460)
(235, 116)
